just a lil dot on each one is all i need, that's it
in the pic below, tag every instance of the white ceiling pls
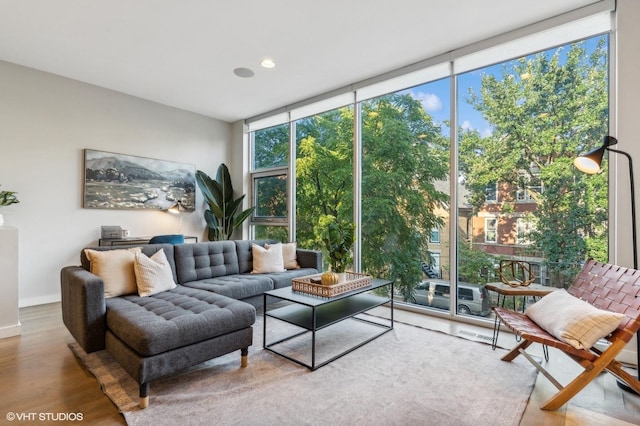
(182, 53)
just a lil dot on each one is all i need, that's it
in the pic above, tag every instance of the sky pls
(435, 95)
(435, 100)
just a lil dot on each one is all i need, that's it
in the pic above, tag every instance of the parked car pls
(473, 299)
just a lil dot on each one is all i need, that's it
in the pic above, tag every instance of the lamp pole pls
(633, 206)
(590, 163)
(622, 384)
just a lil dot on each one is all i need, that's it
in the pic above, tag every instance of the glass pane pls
(271, 147)
(271, 197)
(268, 232)
(435, 236)
(405, 190)
(324, 176)
(522, 123)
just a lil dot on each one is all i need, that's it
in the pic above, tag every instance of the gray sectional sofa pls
(209, 313)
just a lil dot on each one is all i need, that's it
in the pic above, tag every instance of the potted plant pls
(338, 238)
(6, 199)
(222, 217)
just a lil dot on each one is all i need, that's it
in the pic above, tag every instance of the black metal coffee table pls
(313, 313)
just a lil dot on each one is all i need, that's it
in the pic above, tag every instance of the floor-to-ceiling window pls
(521, 123)
(450, 175)
(405, 183)
(324, 175)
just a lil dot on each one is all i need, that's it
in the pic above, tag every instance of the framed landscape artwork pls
(120, 181)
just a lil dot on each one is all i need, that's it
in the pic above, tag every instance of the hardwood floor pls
(39, 374)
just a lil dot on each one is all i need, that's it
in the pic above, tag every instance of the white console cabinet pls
(9, 314)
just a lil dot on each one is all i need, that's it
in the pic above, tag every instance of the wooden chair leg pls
(144, 395)
(569, 391)
(616, 369)
(244, 357)
(592, 370)
(513, 353)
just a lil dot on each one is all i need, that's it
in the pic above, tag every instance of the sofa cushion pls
(115, 267)
(153, 274)
(237, 286)
(289, 255)
(175, 318)
(245, 253)
(205, 260)
(148, 249)
(267, 260)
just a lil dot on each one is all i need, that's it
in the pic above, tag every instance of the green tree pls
(546, 109)
(271, 147)
(404, 156)
(475, 266)
(324, 174)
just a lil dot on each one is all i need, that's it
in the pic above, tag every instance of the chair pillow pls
(266, 260)
(572, 320)
(115, 267)
(153, 274)
(289, 256)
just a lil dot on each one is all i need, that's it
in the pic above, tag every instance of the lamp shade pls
(590, 162)
(175, 209)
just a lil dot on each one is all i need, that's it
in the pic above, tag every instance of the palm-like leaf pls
(221, 218)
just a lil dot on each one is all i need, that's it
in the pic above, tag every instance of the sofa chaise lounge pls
(208, 313)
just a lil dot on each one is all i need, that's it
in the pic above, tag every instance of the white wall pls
(239, 168)
(46, 122)
(625, 128)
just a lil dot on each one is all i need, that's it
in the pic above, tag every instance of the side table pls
(503, 290)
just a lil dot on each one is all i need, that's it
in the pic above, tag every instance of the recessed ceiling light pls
(243, 72)
(268, 63)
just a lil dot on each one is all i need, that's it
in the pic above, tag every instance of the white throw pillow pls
(115, 267)
(572, 320)
(153, 274)
(289, 256)
(266, 260)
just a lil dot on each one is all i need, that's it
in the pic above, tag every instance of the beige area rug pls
(408, 376)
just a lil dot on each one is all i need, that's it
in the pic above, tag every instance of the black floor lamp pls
(590, 163)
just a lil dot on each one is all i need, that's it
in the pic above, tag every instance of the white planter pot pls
(1, 219)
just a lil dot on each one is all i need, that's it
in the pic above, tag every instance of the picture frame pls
(122, 181)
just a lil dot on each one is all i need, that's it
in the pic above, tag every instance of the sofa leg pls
(244, 357)
(144, 395)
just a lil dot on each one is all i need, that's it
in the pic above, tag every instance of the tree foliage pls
(544, 110)
(403, 156)
(271, 147)
(324, 173)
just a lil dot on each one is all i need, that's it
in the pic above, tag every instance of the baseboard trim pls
(42, 300)
(10, 331)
